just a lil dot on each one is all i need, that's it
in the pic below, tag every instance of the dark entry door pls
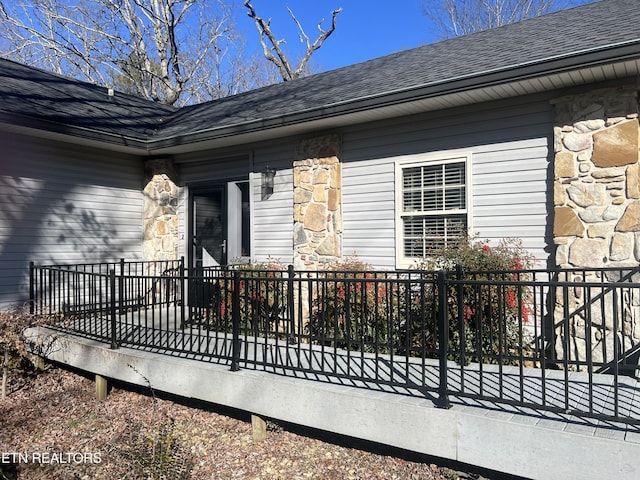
(209, 232)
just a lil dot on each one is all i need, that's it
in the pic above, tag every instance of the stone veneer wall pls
(160, 223)
(317, 209)
(597, 206)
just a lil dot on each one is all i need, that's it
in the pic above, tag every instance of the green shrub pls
(262, 292)
(486, 318)
(354, 307)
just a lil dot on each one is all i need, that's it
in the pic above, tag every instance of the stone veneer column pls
(160, 223)
(317, 211)
(317, 217)
(597, 201)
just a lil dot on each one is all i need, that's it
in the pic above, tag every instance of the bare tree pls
(272, 47)
(170, 51)
(460, 17)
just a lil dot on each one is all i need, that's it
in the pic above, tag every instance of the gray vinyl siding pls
(272, 218)
(509, 146)
(368, 211)
(183, 208)
(510, 194)
(60, 203)
(202, 169)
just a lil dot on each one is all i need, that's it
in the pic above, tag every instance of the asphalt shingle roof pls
(563, 34)
(39, 95)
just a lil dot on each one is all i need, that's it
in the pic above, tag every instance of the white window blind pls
(433, 205)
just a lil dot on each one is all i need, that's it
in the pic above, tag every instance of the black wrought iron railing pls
(559, 340)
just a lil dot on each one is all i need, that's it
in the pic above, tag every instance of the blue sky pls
(365, 29)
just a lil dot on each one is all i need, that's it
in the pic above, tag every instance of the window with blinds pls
(433, 205)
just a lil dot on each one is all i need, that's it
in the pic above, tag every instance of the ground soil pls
(52, 427)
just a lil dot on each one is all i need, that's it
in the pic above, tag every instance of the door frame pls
(232, 199)
(201, 190)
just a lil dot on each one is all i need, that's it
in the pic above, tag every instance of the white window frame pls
(420, 160)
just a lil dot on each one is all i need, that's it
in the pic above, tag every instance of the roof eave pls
(512, 74)
(339, 113)
(72, 133)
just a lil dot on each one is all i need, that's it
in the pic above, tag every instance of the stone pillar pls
(597, 200)
(317, 209)
(160, 223)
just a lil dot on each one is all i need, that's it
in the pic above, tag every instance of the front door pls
(209, 223)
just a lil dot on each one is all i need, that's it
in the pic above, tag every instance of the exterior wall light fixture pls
(267, 182)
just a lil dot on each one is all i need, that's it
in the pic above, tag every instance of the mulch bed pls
(53, 428)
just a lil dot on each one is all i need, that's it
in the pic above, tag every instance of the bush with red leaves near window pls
(262, 296)
(354, 307)
(489, 311)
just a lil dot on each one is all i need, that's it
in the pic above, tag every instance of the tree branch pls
(280, 59)
(162, 50)
(264, 30)
(317, 42)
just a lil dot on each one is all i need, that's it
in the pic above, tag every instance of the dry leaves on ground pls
(53, 428)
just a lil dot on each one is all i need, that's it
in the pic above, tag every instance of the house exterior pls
(529, 130)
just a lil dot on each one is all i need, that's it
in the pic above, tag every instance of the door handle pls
(224, 246)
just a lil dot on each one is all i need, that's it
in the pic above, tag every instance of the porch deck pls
(559, 392)
(365, 354)
(513, 439)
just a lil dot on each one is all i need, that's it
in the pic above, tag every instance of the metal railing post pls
(32, 289)
(235, 318)
(290, 302)
(461, 319)
(443, 338)
(121, 285)
(49, 290)
(182, 280)
(112, 288)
